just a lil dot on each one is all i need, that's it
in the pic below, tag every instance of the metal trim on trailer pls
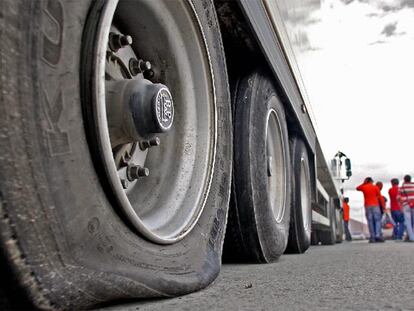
(318, 219)
(322, 190)
(271, 45)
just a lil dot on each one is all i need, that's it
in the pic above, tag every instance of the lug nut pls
(137, 171)
(138, 66)
(148, 74)
(118, 41)
(145, 144)
(125, 40)
(144, 65)
(124, 183)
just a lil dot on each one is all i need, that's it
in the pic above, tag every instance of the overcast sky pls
(356, 58)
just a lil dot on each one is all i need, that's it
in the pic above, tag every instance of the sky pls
(356, 58)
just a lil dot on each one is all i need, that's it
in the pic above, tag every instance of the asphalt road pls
(347, 276)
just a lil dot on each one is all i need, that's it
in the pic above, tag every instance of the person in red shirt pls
(382, 201)
(396, 213)
(372, 196)
(345, 207)
(406, 199)
(382, 198)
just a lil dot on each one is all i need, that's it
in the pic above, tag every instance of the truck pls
(145, 141)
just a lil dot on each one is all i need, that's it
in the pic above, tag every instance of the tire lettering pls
(58, 141)
(52, 29)
(53, 33)
(216, 230)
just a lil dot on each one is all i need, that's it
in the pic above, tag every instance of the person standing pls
(382, 198)
(406, 198)
(372, 211)
(345, 207)
(396, 213)
(381, 202)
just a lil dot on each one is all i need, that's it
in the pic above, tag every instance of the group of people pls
(401, 206)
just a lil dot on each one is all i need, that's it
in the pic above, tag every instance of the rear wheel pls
(117, 149)
(301, 211)
(259, 213)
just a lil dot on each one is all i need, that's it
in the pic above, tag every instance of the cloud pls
(407, 4)
(389, 30)
(347, 1)
(388, 8)
(378, 42)
(396, 6)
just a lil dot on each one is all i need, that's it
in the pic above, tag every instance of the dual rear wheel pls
(271, 198)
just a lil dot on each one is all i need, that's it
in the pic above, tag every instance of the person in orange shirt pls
(345, 207)
(372, 196)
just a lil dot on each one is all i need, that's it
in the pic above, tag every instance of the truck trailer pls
(145, 141)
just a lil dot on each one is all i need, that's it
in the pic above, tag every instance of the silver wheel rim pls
(276, 165)
(305, 195)
(167, 204)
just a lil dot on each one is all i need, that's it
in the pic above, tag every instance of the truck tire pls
(89, 212)
(259, 213)
(301, 202)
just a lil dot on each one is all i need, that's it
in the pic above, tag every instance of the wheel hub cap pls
(139, 109)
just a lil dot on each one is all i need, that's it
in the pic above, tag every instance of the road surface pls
(347, 276)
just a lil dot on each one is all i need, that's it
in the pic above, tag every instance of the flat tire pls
(67, 238)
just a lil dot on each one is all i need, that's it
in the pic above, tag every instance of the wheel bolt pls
(118, 41)
(148, 74)
(145, 144)
(137, 171)
(144, 65)
(125, 40)
(124, 183)
(138, 66)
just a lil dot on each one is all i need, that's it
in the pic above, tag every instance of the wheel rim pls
(276, 165)
(305, 195)
(165, 205)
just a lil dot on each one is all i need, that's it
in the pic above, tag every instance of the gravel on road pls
(347, 276)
